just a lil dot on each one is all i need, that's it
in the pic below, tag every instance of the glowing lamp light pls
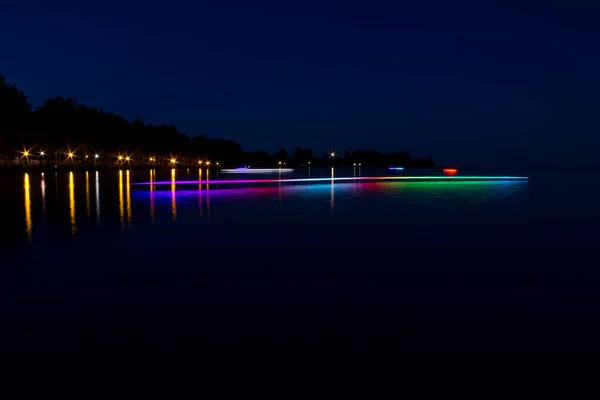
(173, 160)
(96, 155)
(208, 163)
(127, 158)
(42, 153)
(71, 155)
(450, 171)
(120, 157)
(397, 168)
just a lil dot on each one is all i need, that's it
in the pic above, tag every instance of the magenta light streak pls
(362, 178)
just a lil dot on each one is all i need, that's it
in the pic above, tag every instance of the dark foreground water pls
(424, 277)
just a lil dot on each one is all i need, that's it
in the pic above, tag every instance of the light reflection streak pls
(72, 204)
(332, 190)
(87, 193)
(207, 194)
(128, 199)
(200, 192)
(28, 220)
(43, 185)
(97, 198)
(152, 196)
(121, 210)
(173, 195)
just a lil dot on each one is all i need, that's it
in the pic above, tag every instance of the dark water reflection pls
(482, 271)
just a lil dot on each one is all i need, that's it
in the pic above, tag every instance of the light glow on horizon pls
(450, 170)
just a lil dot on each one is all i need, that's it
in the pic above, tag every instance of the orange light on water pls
(28, 221)
(450, 171)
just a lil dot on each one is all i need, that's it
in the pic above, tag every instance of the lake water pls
(445, 277)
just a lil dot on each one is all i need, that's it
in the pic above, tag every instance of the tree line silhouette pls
(61, 125)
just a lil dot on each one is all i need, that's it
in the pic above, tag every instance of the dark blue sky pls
(496, 83)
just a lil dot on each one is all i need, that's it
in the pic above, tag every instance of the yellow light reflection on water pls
(152, 190)
(121, 209)
(128, 199)
(72, 203)
(173, 195)
(28, 220)
(97, 198)
(87, 193)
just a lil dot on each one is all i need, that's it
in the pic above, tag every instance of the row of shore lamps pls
(122, 158)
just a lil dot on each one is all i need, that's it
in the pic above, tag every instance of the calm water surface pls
(447, 277)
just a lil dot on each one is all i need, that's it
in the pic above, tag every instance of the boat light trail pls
(450, 170)
(255, 171)
(362, 178)
(396, 168)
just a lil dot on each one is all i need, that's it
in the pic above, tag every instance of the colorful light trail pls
(344, 179)
(256, 171)
(396, 168)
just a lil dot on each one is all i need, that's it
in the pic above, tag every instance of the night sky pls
(473, 83)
